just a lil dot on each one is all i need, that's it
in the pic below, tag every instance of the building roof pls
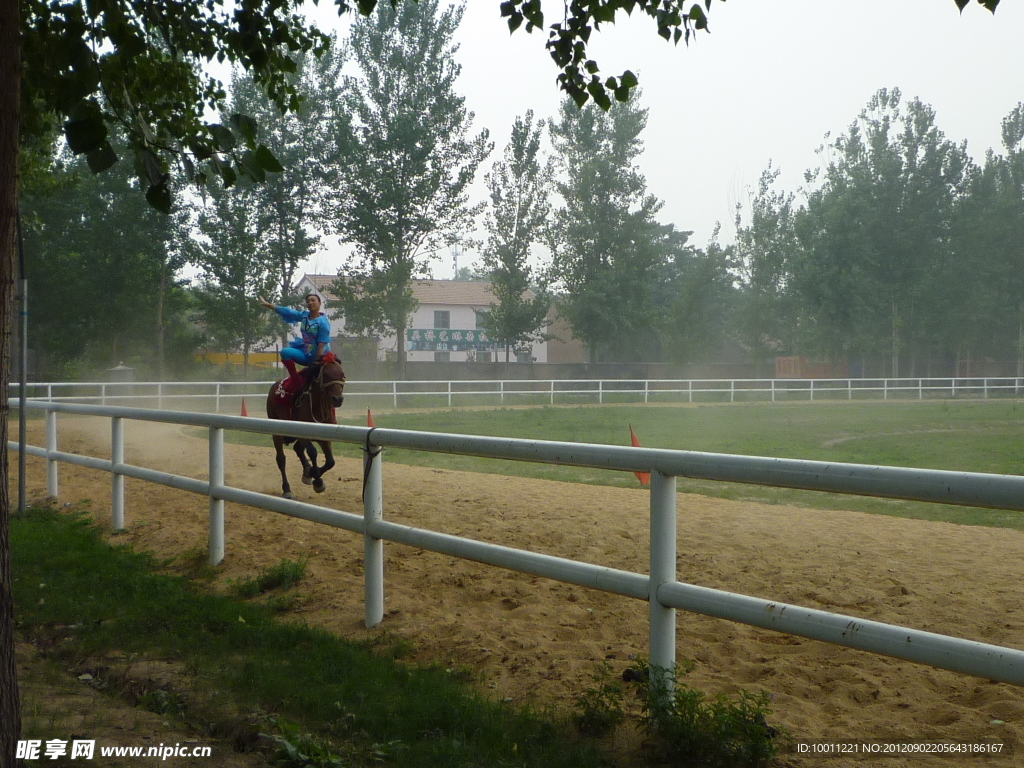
(470, 293)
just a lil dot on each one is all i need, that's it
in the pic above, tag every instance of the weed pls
(284, 575)
(599, 710)
(295, 748)
(690, 728)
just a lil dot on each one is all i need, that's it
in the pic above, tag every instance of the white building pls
(445, 326)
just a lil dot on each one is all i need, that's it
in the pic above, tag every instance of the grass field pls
(968, 436)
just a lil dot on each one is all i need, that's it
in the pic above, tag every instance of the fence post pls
(373, 548)
(773, 390)
(600, 392)
(216, 539)
(103, 394)
(849, 389)
(552, 391)
(732, 390)
(689, 389)
(160, 396)
(49, 393)
(501, 387)
(885, 389)
(116, 478)
(812, 390)
(662, 638)
(52, 486)
(984, 383)
(449, 394)
(216, 401)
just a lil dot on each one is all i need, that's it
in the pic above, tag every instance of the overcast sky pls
(768, 83)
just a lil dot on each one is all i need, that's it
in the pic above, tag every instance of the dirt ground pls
(534, 640)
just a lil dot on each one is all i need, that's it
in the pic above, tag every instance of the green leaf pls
(250, 166)
(159, 197)
(101, 158)
(246, 126)
(223, 136)
(599, 95)
(628, 80)
(961, 4)
(267, 160)
(86, 129)
(149, 166)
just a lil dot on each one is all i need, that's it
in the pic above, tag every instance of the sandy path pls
(532, 639)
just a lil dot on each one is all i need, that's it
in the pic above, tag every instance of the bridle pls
(320, 399)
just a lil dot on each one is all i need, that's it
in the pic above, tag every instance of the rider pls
(315, 341)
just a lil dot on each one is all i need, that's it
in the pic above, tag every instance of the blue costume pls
(314, 332)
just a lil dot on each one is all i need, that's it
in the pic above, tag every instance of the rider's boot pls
(294, 380)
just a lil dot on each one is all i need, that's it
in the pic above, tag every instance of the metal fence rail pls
(218, 396)
(659, 586)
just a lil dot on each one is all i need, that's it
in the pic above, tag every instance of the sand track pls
(536, 640)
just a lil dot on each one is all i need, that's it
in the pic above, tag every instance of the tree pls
(407, 162)
(699, 294)
(879, 226)
(764, 254)
(607, 248)
(518, 186)
(291, 205)
(235, 269)
(98, 243)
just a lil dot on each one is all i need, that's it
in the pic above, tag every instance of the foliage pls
(598, 710)
(295, 748)
(139, 67)
(234, 269)
(288, 207)
(284, 575)
(519, 186)
(608, 249)
(765, 250)
(407, 161)
(103, 280)
(691, 728)
(877, 229)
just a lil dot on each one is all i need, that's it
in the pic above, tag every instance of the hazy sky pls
(768, 83)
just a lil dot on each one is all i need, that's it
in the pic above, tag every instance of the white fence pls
(225, 396)
(658, 586)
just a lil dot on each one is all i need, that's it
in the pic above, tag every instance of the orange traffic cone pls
(643, 477)
(244, 411)
(369, 419)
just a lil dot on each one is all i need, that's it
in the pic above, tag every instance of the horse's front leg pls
(301, 447)
(318, 483)
(286, 489)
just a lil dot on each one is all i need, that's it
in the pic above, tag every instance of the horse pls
(313, 403)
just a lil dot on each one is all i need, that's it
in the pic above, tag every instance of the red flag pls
(643, 477)
(369, 419)
(244, 411)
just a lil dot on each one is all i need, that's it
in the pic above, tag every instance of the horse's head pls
(332, 381)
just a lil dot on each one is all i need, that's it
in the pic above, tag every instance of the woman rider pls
(316, 336)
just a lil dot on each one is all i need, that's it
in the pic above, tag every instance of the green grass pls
(977, 436)
(83, 599)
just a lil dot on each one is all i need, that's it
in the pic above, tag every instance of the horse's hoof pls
(287, 494)
(319, 486)
(307, 479)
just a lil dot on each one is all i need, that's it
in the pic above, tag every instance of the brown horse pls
(316, 404)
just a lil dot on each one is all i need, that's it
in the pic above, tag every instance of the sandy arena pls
(531, 639)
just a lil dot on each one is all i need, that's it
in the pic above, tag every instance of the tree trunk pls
(400, 353)
(161, 367)
(1020, 342)
(895, 340)
(10, 101)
